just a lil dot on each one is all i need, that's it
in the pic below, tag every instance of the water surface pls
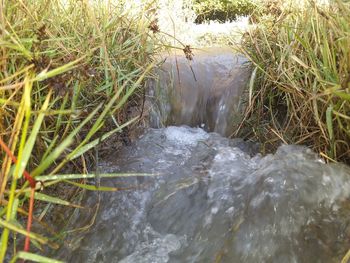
(215, 200)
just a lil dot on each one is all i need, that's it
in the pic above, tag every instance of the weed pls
(302, 85)
(68, 71)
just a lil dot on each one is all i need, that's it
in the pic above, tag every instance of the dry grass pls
(68, 75)
(302, 86)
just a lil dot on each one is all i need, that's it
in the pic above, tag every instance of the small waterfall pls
(208, 91)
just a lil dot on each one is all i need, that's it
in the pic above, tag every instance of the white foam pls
(185, 136)
(155, 251)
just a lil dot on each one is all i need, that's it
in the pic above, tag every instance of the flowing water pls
(208, 91)
(210, 198)
(214, 200)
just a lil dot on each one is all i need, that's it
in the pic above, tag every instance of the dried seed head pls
(188, 52)
(153, 26)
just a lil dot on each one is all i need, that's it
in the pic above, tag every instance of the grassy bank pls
(69, 75)
(301, 89)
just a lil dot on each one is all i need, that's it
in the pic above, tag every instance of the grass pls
(69, 72)
(300, 93)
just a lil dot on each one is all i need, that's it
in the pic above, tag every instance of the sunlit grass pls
(301, 91)
(68, 71)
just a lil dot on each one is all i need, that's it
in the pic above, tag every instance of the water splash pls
(216, 200)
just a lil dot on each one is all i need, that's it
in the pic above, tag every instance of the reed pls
(300, 93)
(69, 70)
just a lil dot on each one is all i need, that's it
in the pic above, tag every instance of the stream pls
(210, 198)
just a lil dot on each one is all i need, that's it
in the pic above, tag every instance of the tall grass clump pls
(301, 90)
(69, 72)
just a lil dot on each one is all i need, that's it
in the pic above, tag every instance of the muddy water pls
(215, 200)
(208, 91)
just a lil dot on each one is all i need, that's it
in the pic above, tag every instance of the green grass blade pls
(95, 142)
(59, 149)
(57, 71)
(329, 121)
(15, 228)
(19, 167)
(94, 187)
(34, 257)
(28, 148)
(134, 87)
(343, 95)
(53, 200)
(85, 176)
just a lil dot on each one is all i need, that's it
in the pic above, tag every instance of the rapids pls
(212, 199)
